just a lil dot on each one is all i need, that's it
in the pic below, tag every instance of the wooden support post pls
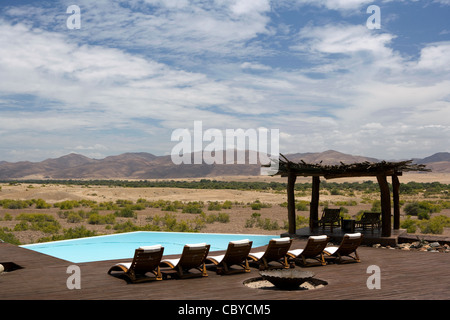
(291, 203)
(314, 205)
(385, 206)
(396, 200)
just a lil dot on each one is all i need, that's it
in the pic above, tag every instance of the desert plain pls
(239, 215)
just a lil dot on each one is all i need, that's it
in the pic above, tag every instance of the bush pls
(265, 224)
(227, 204)
(301, 206)
(214, 206)
(8, 237)
(74, 217)
(422, 207)
(257, 205)
(435, 225)
(41, 204)
(193, 207)
(71, 233)
(40, 222)
(15, 204)
(67, 204)
(409, 224)
(301, 221)
(126, 212)
(96, 218)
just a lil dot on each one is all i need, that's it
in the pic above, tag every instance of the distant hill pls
(330, 157)
(142, 165)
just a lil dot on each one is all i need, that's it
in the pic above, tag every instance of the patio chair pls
(312, 251)
(348, 246)
(192, 257)
(330, 218)
(276, 250)
(146, 260)
(369, 220)
(236, 254)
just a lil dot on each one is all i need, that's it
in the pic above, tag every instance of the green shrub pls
(8, 237)
(193, 207)
(422, 207)
(126, 212)
(74, 217)
(71, 233)
(41, 204)
(257, 205)
(96, 218)
(15, 204)
(214, 206)
(301, 206)
(301, 221)
(409, 224)
(227, 204)
(40, 222)
(435, 225)
(266, 224)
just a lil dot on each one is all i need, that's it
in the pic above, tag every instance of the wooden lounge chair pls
(312, 251)
(236, 254)
(146, 260)
(276, 250)
(348, 246)
(330, 218)
(192, 257)
(369, 220)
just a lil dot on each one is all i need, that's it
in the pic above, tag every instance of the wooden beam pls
(314, 205)
(385, 206)
(291, 203)
(396, 200)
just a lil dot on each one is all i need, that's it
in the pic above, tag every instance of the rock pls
(435, 244)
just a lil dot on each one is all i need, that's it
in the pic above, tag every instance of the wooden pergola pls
(380, 170)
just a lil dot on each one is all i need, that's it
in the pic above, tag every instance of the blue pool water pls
(122, 245)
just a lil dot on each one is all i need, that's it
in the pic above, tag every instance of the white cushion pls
(353, 235)
(331, 250)
(318, 238)
(125, 264)
(173, 262)
(239, 243)
(154, 248)
(218, 259)
(296, 252)
(196, 246)
(282, 240)
(257, 255)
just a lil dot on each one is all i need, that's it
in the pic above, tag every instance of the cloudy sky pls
(135, 71)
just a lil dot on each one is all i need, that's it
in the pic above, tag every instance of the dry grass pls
(239, 213)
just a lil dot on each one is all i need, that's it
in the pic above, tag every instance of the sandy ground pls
(239, 214)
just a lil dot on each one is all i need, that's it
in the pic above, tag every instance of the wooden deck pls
(405, 275)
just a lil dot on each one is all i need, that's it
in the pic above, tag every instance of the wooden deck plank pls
(404, 275)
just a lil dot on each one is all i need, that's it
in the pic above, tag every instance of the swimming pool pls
(122, 245)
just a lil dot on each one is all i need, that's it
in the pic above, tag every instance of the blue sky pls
(137, 70)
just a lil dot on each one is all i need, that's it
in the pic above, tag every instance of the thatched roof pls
(366, 168)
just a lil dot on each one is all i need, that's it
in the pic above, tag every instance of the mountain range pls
(143, 165)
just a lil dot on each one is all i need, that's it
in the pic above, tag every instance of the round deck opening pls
(285, 279)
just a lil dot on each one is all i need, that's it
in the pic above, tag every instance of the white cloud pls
(435, 57)
(133, 73)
